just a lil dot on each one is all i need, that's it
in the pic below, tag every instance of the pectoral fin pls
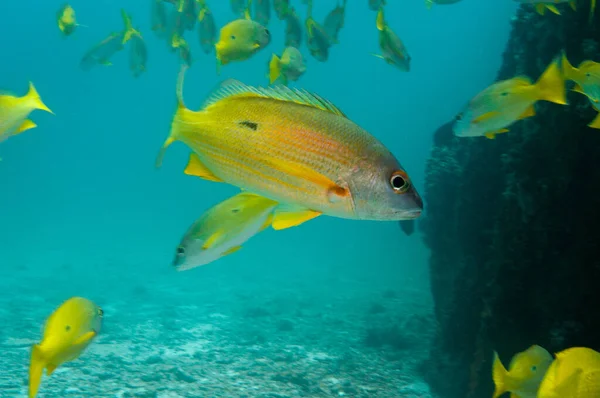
(196, 168)
(232, 250)
(85, 338)
(552, 8)
(290, 217)
(212, 240)
(485, 116)
(50, 369)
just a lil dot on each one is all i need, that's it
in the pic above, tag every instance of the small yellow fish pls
(262, 11)
(297, 149)
(587, 82)
(207, 30)
(430, 3)
(375, 5)
(222, 229)
(524, 374)
(240, 39)
(67, 333)
(393, 50)
(101, 53)
(14, 112)
(138, 55)
(289, 67)
(293, 29)
(159, 18)
(185, 53)
(281, 7)
(542, 5)
(318, 40)
(497, 107)
(334, 21)
(575, 373)
(66, 20)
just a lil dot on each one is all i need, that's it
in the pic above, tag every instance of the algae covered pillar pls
(514, 223)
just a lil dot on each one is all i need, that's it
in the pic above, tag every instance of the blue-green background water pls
(84, 211)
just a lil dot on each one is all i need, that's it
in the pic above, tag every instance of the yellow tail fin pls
(36, 369)
(35, 99)
(595, 124)
(567, 69)
(551, 85)
(499, 374)
(274, 68)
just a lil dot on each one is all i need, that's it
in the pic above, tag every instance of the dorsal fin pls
(233, 88)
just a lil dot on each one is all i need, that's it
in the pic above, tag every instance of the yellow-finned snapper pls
(67, 333)
(207, 28)
(497, 107)
(281, 8)
(293, 29)
(575, 373)
(223, 229)
(66, 20)
(297, 149)
(524, 374)
(375, 5)
(542, 5)
(14, 112)
(319, 41)
(431, 3)
(289, 67)
(334, 21)
(238, 7)
(262, 11)
(185, 54)
(138, 55)
(158, 21)
(587, 82)
(393, 50)
(101, 53)
(240, 39)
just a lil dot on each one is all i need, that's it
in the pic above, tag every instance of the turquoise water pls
(295, 311)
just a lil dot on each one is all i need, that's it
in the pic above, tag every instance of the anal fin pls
(528, 113)
(232, 250)
(552, 8)
(195, 167)
(290, 217)
(85, 338)
(27, 124)
(50, 369)
(492, 134)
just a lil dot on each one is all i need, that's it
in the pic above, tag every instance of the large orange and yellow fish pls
(297, 149)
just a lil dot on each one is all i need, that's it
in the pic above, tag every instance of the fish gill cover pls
(286, 286)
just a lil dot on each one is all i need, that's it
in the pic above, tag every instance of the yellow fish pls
(525, 372)
(289, 67)
(542, 5)
(393, 50)
(503, 103)
(66, 20)
(207, 31)
(575, 373)
(14, 112)
(587, 82)
(129, 30)
(240, 39)
(297, 149)
(67, 333)
(222, 229)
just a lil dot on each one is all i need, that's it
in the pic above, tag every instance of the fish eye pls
(533, 368)
(399, 182)
(100, 312)
(588, 74)
(67, 328)
(232, 37)
(458, 117)
(180, 251)
(267, 32)
(235, 210)
(504, 94)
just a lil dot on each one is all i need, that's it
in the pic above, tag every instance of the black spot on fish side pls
(236, 210)
(250, 125)
(67, 328)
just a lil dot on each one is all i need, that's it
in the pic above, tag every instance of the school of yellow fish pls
(296, 156)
